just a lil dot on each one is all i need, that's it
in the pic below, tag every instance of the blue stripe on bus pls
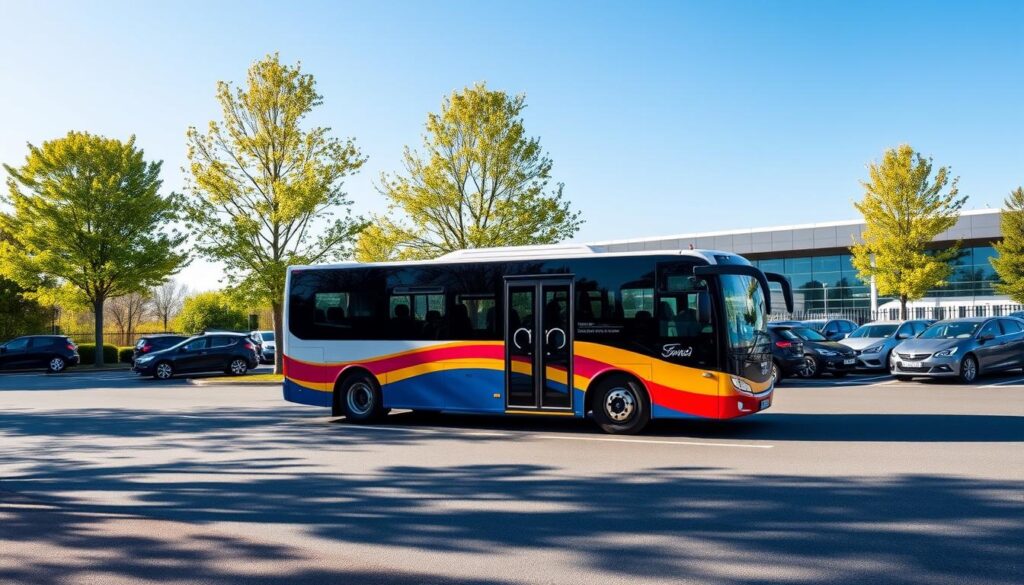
(456, 390)
(295, 393)
(658, 411)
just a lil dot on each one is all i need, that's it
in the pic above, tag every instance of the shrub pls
(125, 354)
(88, 353)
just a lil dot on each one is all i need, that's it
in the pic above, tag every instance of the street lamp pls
(824, 289)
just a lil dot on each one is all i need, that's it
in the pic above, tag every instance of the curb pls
(233, 382)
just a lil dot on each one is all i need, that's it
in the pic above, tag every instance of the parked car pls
(787, 352)
(831, 329)
(151, 343)
(873, 342)
(962, 348)
(56, 353)
(232, 353)
(267, 345)
(822, 355)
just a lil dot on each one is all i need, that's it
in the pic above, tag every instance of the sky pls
(661, 117)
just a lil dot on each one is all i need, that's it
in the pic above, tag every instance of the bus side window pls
(480, 319)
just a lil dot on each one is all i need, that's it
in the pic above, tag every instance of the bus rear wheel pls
(620, 406)
(361, 399)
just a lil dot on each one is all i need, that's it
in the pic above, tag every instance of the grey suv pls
(874, 342)
(963, 348)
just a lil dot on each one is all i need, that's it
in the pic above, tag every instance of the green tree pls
(19, 315)
(88, 217)
(1009, 261)
(265, 191)
(210, 310)
(904, 208)
(481, 182)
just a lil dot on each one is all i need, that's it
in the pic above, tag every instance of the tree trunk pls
(97, 308)
(903, 308)
(278, 313)
(165, 322)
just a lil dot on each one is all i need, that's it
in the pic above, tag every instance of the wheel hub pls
(620, 404)
(360, 398)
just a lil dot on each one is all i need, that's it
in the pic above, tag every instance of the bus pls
(561, 330)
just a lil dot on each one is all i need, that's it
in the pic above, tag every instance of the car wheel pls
(621, 406)
(776, 373)
(56, 365)
(888, 363)
(361, 399)
(238, 367)
(968, 369)
(811, 367)
(163, 371)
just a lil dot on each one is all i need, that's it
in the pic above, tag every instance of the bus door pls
(538, 344)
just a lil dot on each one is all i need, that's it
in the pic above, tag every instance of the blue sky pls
(661, 117)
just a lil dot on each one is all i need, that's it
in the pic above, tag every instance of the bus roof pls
(540, 252)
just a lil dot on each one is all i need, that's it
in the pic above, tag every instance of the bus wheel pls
(361, 399)
(621, 406)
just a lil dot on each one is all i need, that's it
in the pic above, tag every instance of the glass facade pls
(830, 283)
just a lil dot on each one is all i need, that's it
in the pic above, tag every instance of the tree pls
(88, 216)
(127, 311)
(1009, 261)
(210, 310)
(265, 190)
(481, 182)
(904, 208)
(167, 299)
(19, 315)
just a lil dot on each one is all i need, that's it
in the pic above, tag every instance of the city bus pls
(559, 330)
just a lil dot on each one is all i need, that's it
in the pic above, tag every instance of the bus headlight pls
(741, 385)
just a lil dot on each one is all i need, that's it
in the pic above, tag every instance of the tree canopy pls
(1009, 261)
(210, 310)
(904, 208)
(265, 189)
(89, 218)
(479, 182)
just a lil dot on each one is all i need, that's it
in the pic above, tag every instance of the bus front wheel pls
(361, 399)
(620, 406)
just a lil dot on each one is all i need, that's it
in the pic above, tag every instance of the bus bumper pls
(300, 394)
(739, 405)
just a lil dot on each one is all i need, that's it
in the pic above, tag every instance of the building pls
(816, 258)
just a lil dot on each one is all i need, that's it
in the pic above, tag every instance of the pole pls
(824, 288)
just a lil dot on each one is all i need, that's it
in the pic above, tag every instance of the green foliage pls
(210, 310)
(481, 182)
(19, 315)
(264, 189)
(87, 352)
(1009, 263)
(904, 208)
(124, 354)
(88, 222)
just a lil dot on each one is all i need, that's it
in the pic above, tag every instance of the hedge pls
(125, 353)
(88, 353)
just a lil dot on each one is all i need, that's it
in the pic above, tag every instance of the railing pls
(109, 337)
(862, 316)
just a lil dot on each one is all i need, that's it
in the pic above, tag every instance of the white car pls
(266, 339)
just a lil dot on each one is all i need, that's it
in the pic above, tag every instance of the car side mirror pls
(902, 336)
(183, 350)
(986, 337)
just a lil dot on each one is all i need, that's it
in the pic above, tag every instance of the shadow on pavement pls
(671, 522)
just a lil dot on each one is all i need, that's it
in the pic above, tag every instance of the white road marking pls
(888, 383)
(1011, 382)
(650, 441)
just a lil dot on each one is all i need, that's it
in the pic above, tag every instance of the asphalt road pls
(106, 478)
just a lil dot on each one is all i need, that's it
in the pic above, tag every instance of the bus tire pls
(620, 405)
(361, 399)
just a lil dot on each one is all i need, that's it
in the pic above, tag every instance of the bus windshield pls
(746, 320)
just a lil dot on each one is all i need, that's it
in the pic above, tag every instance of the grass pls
(248, 378)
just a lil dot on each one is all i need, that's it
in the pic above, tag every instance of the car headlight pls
(741, 385)
(946, 352)
(828, 352)
(873, 349)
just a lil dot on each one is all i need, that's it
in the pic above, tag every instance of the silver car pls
(963, 348)
(873, 342)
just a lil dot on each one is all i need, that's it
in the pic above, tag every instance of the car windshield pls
(951, 330)
(807, 334)
(788, 335)
(875, 330)
(817, 325)
(267, 335)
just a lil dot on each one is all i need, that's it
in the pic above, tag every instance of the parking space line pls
(649, 441)
(1011, 382)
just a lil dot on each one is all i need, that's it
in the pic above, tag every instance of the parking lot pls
(108, 478)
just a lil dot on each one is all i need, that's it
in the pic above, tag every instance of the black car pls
(787, 352)
(832, 329)
(231, 353)
(822, 355)
(151, 343)
(53, 352)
